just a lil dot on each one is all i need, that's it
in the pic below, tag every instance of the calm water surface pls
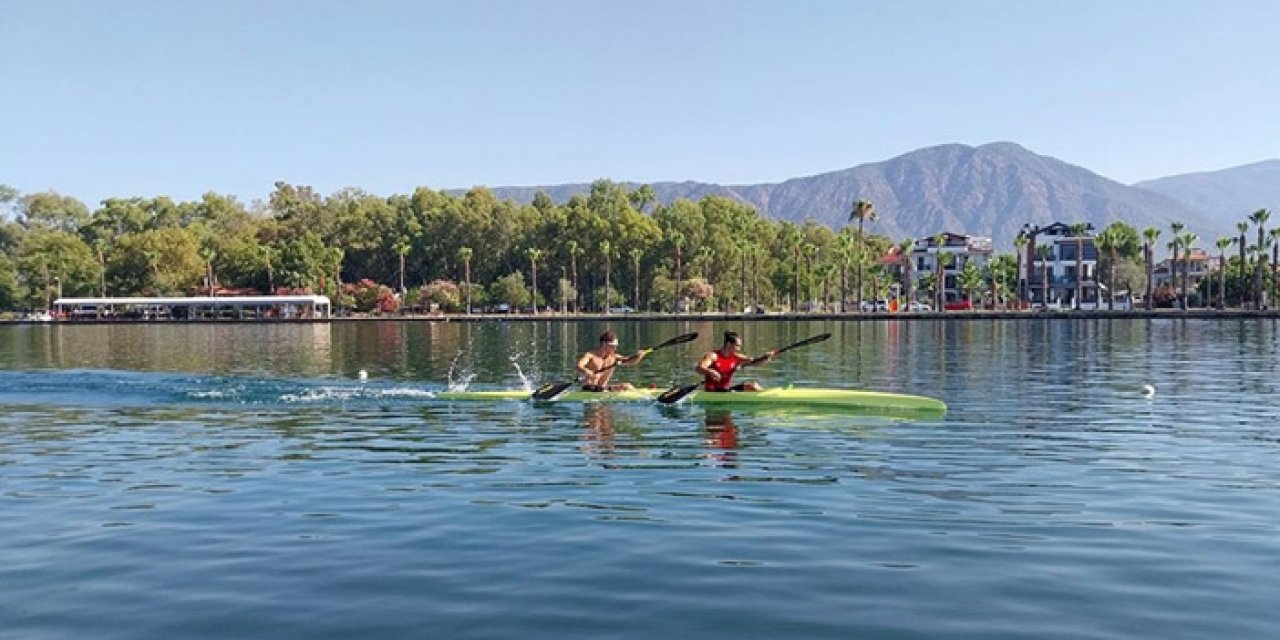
(240, 481)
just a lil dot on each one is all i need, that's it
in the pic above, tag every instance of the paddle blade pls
(551, 390)
(806, 342)
(674, 394)
(680, 339)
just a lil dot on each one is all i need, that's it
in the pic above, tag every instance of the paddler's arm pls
(704, 367)
(584, 367)
(767, 357)
(631, 361)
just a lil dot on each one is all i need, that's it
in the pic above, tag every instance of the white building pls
(1059, 267)
(961, 249)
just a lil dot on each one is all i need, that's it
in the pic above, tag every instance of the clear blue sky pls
(175, 98)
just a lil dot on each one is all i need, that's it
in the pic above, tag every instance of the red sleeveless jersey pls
(725, 365)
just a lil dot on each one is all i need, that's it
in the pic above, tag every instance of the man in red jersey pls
(717, 367)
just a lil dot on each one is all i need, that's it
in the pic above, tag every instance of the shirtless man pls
(597, 365)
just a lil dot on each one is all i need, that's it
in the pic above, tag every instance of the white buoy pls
(363, 375)
(1148, 391)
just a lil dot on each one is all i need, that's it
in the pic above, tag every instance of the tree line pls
(607, 248)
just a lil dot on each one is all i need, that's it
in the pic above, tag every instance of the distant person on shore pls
(717, 367)
(597, 365)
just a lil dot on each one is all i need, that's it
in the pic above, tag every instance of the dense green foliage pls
(607, 248)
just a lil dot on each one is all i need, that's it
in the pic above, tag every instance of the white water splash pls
(525, 383)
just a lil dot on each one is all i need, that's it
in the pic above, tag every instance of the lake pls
(242, 481)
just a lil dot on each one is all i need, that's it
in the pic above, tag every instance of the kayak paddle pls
(674, 394)
(550, 390)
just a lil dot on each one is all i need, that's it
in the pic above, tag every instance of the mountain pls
(1230, 193)
(991, 190)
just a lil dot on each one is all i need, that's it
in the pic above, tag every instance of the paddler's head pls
(609, 342)
(732, 342)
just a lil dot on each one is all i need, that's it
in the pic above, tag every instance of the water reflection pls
(598, 439)
(720, 436)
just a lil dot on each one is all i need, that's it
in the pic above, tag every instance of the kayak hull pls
(842, 399)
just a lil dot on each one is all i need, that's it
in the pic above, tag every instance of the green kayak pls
(840, 399)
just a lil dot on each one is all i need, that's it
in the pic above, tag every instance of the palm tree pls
(810, 255)
(1175, 244)
(1273, 236)
(677, 242)
(1187, 240)
(1078, 230)
(1043, 252)
(970, 279)
(795, 239)
(1243, 228)
(534, 255)
(863, 211)
(1259, 218)
(99, 247)
(904, 257)
(1150, 235)
(606, 248)
(402, 248)
(636, 254)
(844, 249)
(1106, 241)
(1019, 247)
(575, 249)
(464, 254)
(1222, 245)
(207, 254)
(941, 260)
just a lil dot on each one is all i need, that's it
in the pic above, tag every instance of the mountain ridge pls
(987, 190)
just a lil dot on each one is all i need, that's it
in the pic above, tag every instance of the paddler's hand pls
(714, 375)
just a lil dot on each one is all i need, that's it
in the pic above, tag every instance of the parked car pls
(623, 309)
(874, 306)
(958, 305)
(919, 306)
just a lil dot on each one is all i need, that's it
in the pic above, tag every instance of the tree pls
(1243, 228)
(677, 242)
(1260, 218)
(1222, 244)
(53, 211)
(1019, 247)
(1175, 244)
(402, 248)
(844, 250)
(862, 211)
(1078, 230)
(970, 279)
(510, 289)
(606, 250)
(1149, 236)
(464, 255)
(442, 293)
(636, 255)
(942, 259)
(1187, 240)
(1107, 242)
(534, 255)
(1044, 252)
(575, 249)
(904, 258)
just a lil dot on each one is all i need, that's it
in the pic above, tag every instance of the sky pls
(147, 98)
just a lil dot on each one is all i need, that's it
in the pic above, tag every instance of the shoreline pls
(929, 316)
